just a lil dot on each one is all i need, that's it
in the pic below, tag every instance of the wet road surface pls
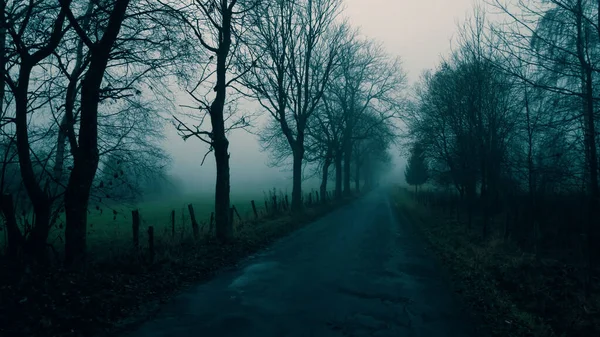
(359, 271)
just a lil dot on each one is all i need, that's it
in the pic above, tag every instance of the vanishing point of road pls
(359, 271)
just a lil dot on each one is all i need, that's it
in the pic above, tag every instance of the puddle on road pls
(251, 286)
(252, 273)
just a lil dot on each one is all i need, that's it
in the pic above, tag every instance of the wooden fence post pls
(266, 206)
(195, 226)
(287, 201)
(316, 197)
(135, 217)
(237, 213)
(254, 210)
(151, 242)
(173, 223)
(211, 223)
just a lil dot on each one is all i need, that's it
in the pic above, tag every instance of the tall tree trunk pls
(325, 176)
(298, 156)
(35, 246)
(85, 164)
(86, 156)
(36, 243)
(65, 130)
(223, 223)
(338, 174)
(15, 239)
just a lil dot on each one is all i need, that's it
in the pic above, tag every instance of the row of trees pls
(80, 96)
(511, 117)
(86, 84)
(330, 94)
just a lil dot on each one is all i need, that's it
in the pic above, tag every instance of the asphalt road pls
(359, 271)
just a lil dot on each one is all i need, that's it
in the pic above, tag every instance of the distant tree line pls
(88, 85)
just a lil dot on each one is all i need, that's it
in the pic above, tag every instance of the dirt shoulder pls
(112, 295)
(510, 292)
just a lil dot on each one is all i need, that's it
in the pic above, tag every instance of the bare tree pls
(558, 41)
(369, 83)
(35, 30)
(86, 153)
(296, 44)
(215, 25)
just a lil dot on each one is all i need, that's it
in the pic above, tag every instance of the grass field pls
(110, 227)
(105, 224)
(114, 231)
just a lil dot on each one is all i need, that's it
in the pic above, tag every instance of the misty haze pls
(299, 168)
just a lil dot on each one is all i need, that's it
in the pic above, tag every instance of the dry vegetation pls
(513, 291)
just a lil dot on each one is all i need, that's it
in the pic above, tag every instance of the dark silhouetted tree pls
(417, 170)
(296, 44)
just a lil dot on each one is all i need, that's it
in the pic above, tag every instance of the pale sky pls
(419, 31)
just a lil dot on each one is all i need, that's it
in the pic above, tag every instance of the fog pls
(404, 29)
(300, 167)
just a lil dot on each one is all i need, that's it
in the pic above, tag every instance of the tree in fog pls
(76, 117)
(215, 27)
(324, 139)
(372, 138)
(296, 45)
(509, 121)
(85, 150)
(367, 95)
(557, 43)
(464, 119)
(322, 144)
(35, 31)
(416, 171)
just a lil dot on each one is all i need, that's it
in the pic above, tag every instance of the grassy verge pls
(109, 224)
(511, 292)
(111, 295)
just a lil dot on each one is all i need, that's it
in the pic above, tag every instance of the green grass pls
(110, 227)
